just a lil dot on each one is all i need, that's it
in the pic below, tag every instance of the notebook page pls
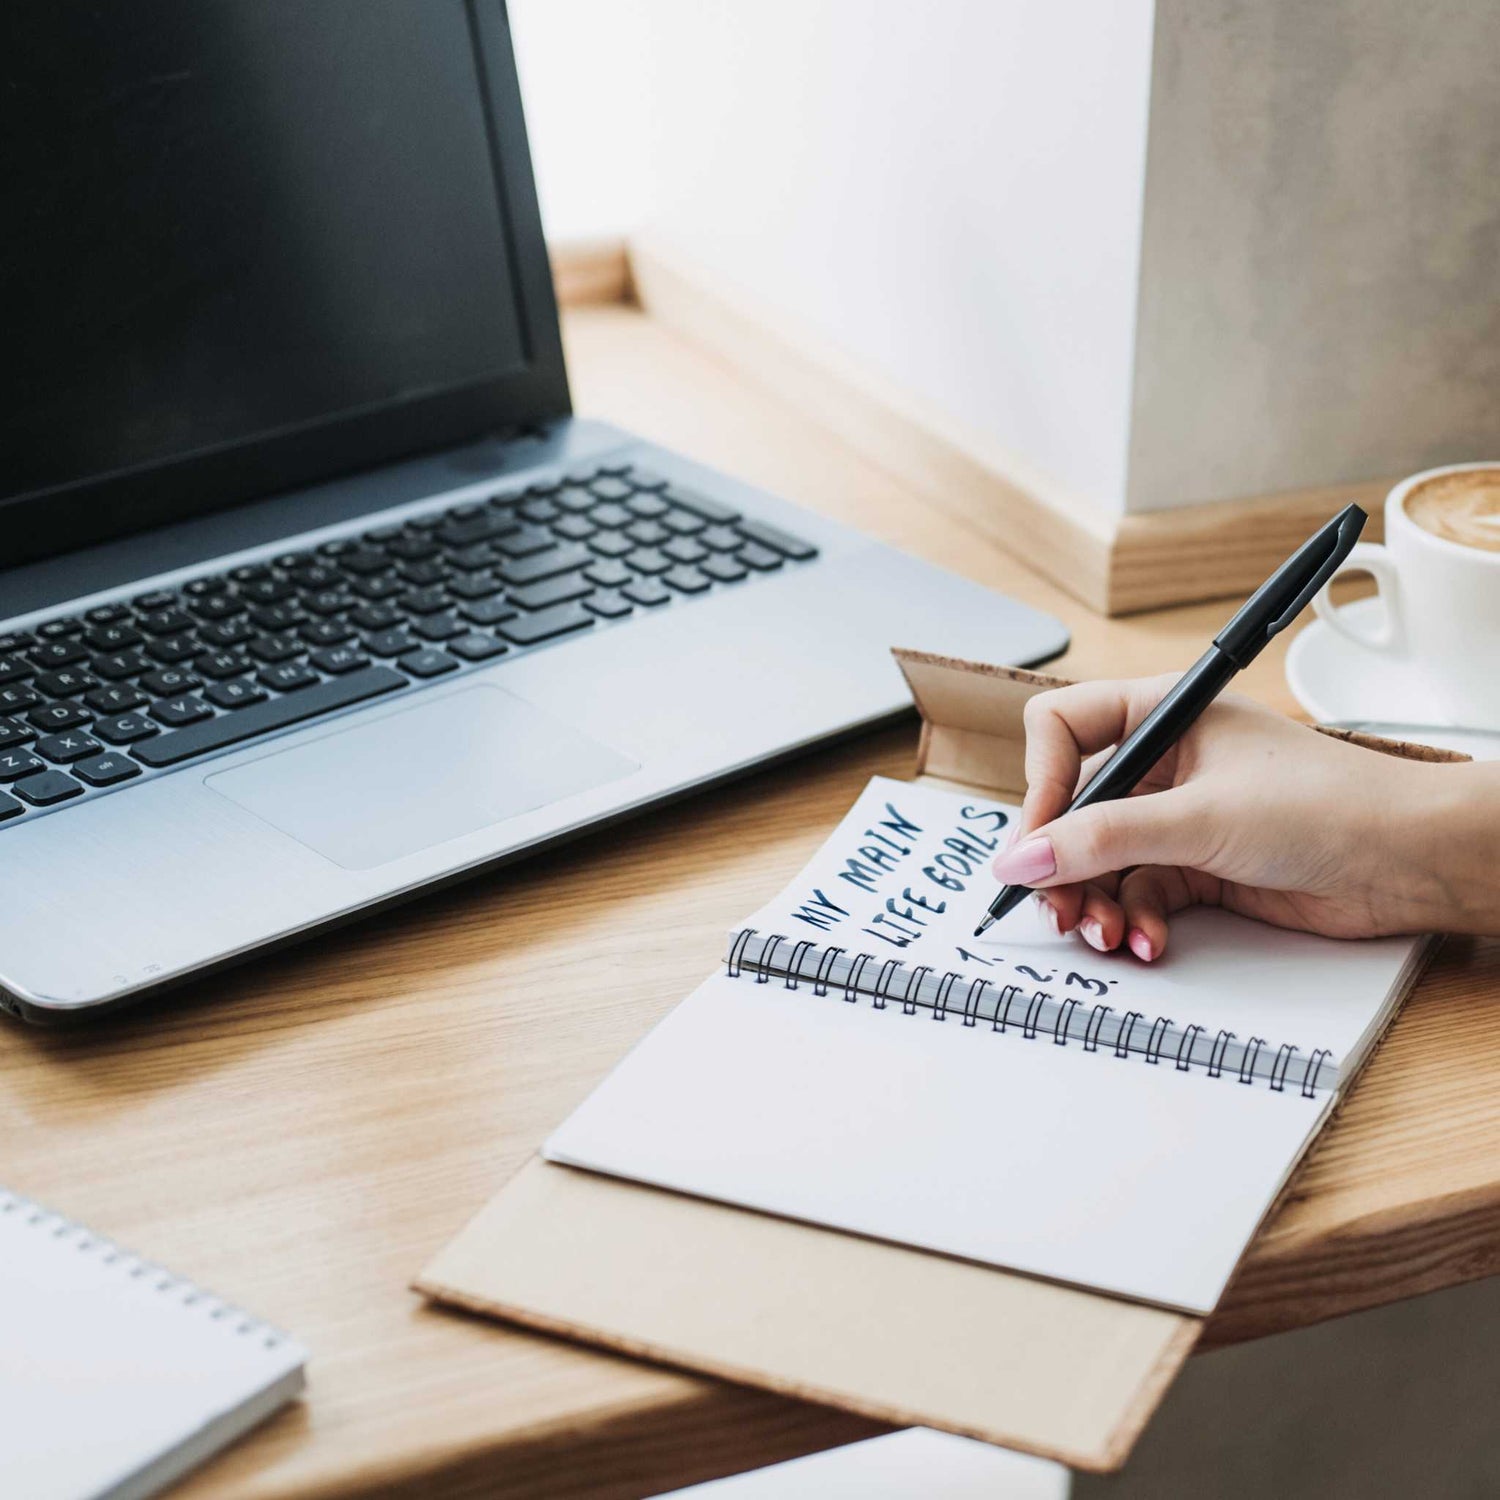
(116, 1375)
(1220, 971)
(1076, 1166)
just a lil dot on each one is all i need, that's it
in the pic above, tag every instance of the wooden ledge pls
(1114, 564)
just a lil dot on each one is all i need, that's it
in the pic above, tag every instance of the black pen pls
(1267, 612)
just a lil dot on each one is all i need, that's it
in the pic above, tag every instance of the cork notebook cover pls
(895, 1333)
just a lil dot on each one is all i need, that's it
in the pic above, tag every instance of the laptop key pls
(172, 649)
(18, 696)
(778, 541)
(262, 718)
(68, 683)
(608, 574)
(113, 637)
(288, 676)
(722, 539)
(9, 808)
(13, 732)
(108, 769)
(159, 622)
(184, 709)
(437, 627)
(525, 542)
(47, 789)
(562, 559)
(647, 533)
(688, 580)
(124, 729)
(685, 549)
(119, 665)
(389, 642)
(709, 509)
(488, 611)
(117, 698)
(427, 662)
(683, 522)
(339, 659)
(375, 616)
(64, 714)
(762, 559)
(16, 640)
(15, 764)
(226, 633)
(551, 591)
(238, 692)
(611, 515)
(723, 568)
(55, 630)
(49, 654)
(611, 544)
(648, 591)
(648, 560)
(608, 487)
(222, 664)
(609, 603)
(475, 586)
(13, 669)
(326, 633)
(273, 648)
(574, 528)
(476, 646)
(167, 682)
(63, 748)
(648, 505)
(561, 619)
(645, 479)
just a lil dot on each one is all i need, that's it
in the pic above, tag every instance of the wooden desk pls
(301, 1135)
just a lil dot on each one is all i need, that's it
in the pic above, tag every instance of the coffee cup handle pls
(1372, 558)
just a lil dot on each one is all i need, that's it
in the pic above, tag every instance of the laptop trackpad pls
(408, 780)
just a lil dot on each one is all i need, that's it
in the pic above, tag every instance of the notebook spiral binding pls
(1098, 1027)
(185, 1293)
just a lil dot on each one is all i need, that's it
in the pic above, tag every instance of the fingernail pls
(1140, 945)
(1028, 862)
(1093, 932)
(1049, 915)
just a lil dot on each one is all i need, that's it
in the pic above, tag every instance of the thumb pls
(1161, 828)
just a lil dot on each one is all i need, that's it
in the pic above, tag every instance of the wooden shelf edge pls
(591, 273)
(1115, 565)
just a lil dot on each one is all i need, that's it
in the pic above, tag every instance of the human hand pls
(1252, 812)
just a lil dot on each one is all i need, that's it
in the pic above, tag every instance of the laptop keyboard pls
(89, 702)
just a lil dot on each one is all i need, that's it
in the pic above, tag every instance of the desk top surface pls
(302, 1134)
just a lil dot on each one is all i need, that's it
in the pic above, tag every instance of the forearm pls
(1451, 827)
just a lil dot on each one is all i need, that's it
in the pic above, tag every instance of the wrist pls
(1450, 823)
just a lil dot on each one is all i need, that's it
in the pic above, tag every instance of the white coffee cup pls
(1441, 606)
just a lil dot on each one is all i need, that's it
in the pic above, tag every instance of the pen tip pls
(984, 926)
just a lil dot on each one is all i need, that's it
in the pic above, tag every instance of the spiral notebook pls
(117, 1377)
(863, 1062)
(988, 1187)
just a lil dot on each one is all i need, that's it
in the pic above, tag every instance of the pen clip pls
(1348, 534)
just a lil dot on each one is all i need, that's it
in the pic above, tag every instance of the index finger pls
(1065, 724)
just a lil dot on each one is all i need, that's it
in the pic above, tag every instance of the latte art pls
(1462, 508)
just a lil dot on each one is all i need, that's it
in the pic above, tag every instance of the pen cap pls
(1289, 590)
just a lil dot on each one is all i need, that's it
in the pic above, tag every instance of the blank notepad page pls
(115, 1376)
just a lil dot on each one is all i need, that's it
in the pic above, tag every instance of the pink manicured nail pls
(1093, 932)
(1049, 914)
(1028, 862)
(1140, 945)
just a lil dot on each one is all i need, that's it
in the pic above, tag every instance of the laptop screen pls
(252, 243)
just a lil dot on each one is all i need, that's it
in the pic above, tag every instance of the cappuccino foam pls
(1462, 508)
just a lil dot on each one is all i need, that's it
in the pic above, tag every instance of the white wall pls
(950, 191)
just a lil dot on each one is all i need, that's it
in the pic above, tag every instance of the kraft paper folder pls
(899, 1334)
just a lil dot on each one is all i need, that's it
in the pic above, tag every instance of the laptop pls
(313, 591)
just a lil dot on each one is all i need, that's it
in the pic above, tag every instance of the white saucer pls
(1337, 681)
